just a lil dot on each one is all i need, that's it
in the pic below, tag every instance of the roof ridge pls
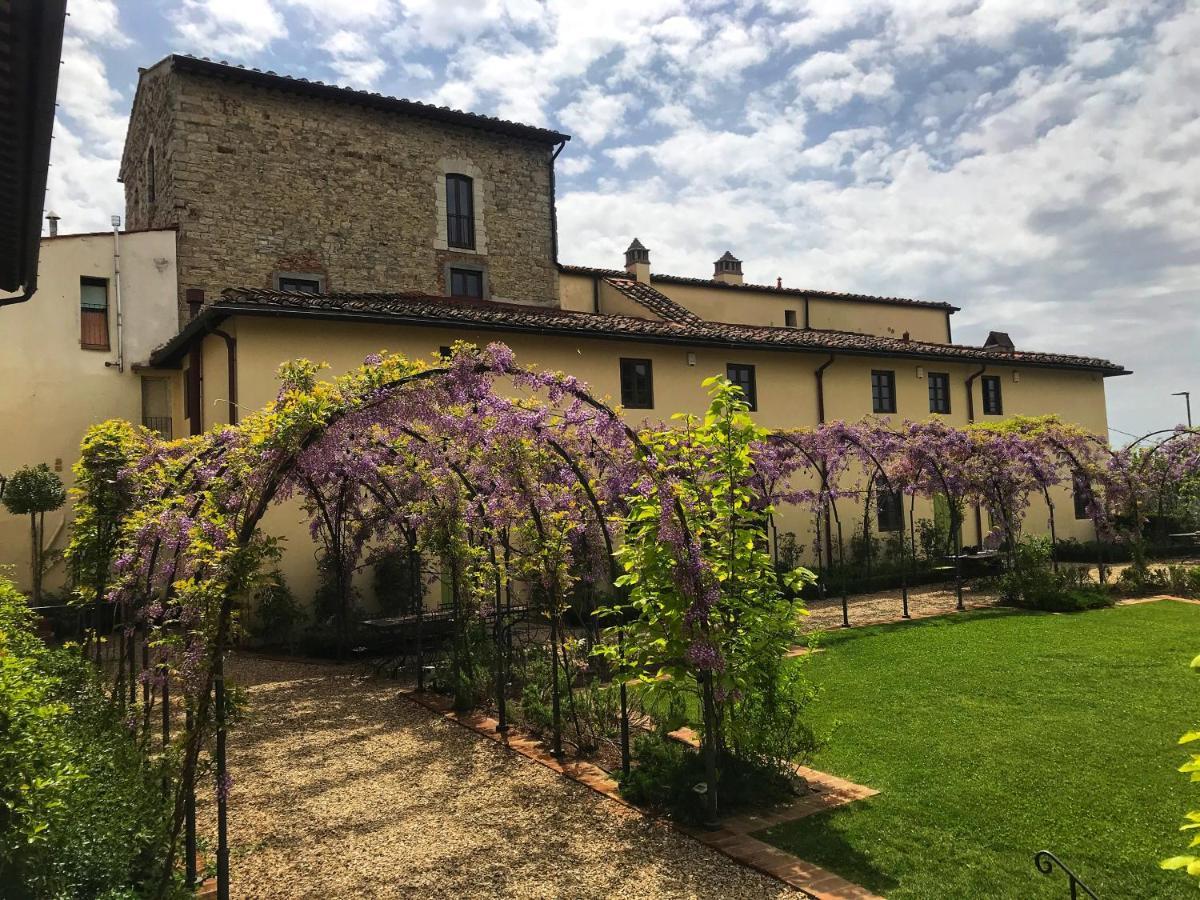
(330, 91)
(765, 288)
(437, 309)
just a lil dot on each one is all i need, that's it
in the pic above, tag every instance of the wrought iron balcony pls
(161, 424)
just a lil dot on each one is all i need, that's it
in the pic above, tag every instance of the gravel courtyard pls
(343, 789)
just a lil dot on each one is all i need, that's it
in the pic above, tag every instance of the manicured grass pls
(997, 734)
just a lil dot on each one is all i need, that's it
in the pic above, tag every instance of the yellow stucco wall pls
(786, 389)
(51, 390)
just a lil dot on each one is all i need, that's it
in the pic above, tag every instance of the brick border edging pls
(732, 840)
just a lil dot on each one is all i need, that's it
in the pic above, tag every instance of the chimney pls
(195, 301)
(52, 217)
(728, 269)
(999, 340)
(637, 261)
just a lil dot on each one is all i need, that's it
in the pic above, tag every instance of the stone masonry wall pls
(264, 181)
(151, 129)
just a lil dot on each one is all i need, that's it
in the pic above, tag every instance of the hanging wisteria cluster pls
(515, 480)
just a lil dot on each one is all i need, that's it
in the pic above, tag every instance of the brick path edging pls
(732, 839)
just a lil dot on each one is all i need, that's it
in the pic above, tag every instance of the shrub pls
(276, 612)
(1031, 583)
(667, 776)
(767, 726)
(81, 810)
(397, 586)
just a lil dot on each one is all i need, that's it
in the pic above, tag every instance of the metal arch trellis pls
(247, 518)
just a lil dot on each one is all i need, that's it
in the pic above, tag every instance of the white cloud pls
(228, 27)
(574, 165)
(829, 80)
(354, 60)
(594, 114)
(96, 20)
(376, 13)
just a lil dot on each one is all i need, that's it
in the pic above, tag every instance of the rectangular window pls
(789, 318)
(889, 513)
(460, 212)
(992, 403)
(1082, 490)
(297, 284)
(93, 313)
(637, 384)
(939, 392)
(883, 391)
(466, 283)
(743, 376)
(156, 406)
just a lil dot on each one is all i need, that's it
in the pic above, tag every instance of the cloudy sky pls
(1036, 162)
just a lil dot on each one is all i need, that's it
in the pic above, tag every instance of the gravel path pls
(343, 789)
(887, 606)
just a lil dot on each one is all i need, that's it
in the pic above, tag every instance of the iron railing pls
(1046, 861)
(161, 424)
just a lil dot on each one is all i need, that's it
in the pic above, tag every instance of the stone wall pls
(264, 181)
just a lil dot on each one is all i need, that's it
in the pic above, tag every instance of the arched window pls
(460, 212)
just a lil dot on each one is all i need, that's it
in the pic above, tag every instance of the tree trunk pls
(35, 559)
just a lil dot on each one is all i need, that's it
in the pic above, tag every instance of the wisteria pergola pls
(516, 481)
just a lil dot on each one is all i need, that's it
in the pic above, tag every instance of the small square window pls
(939, 392)
(743, 376)
(889, 513)
(789, 318)
(993, 404)
(637, 384)
(466, 283)
(299, 283)
(883, 391)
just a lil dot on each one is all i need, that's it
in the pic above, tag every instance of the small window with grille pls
(939, 392)
(883, 392)
(93, 313)
(637, 384)
(743, 376)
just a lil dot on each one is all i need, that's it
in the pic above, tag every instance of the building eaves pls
(760, 288)
(353, 97)
(31, 33)
(429, 310)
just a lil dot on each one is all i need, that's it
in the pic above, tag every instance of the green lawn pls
(997, 734)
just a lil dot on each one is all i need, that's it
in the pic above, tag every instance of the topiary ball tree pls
(35, 491)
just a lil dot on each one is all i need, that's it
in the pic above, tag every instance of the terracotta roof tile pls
(756, 288)
(434, 310)
(658, 303)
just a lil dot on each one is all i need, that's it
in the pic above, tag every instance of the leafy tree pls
(35, 491)
(707, 613)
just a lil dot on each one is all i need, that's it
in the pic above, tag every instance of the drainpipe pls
(971, 418)
(119, 365)
(807, 326)
(971, 392)
(596, 294)
(554, 205)
(820, 373)
(231, 355)
(194, 410)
